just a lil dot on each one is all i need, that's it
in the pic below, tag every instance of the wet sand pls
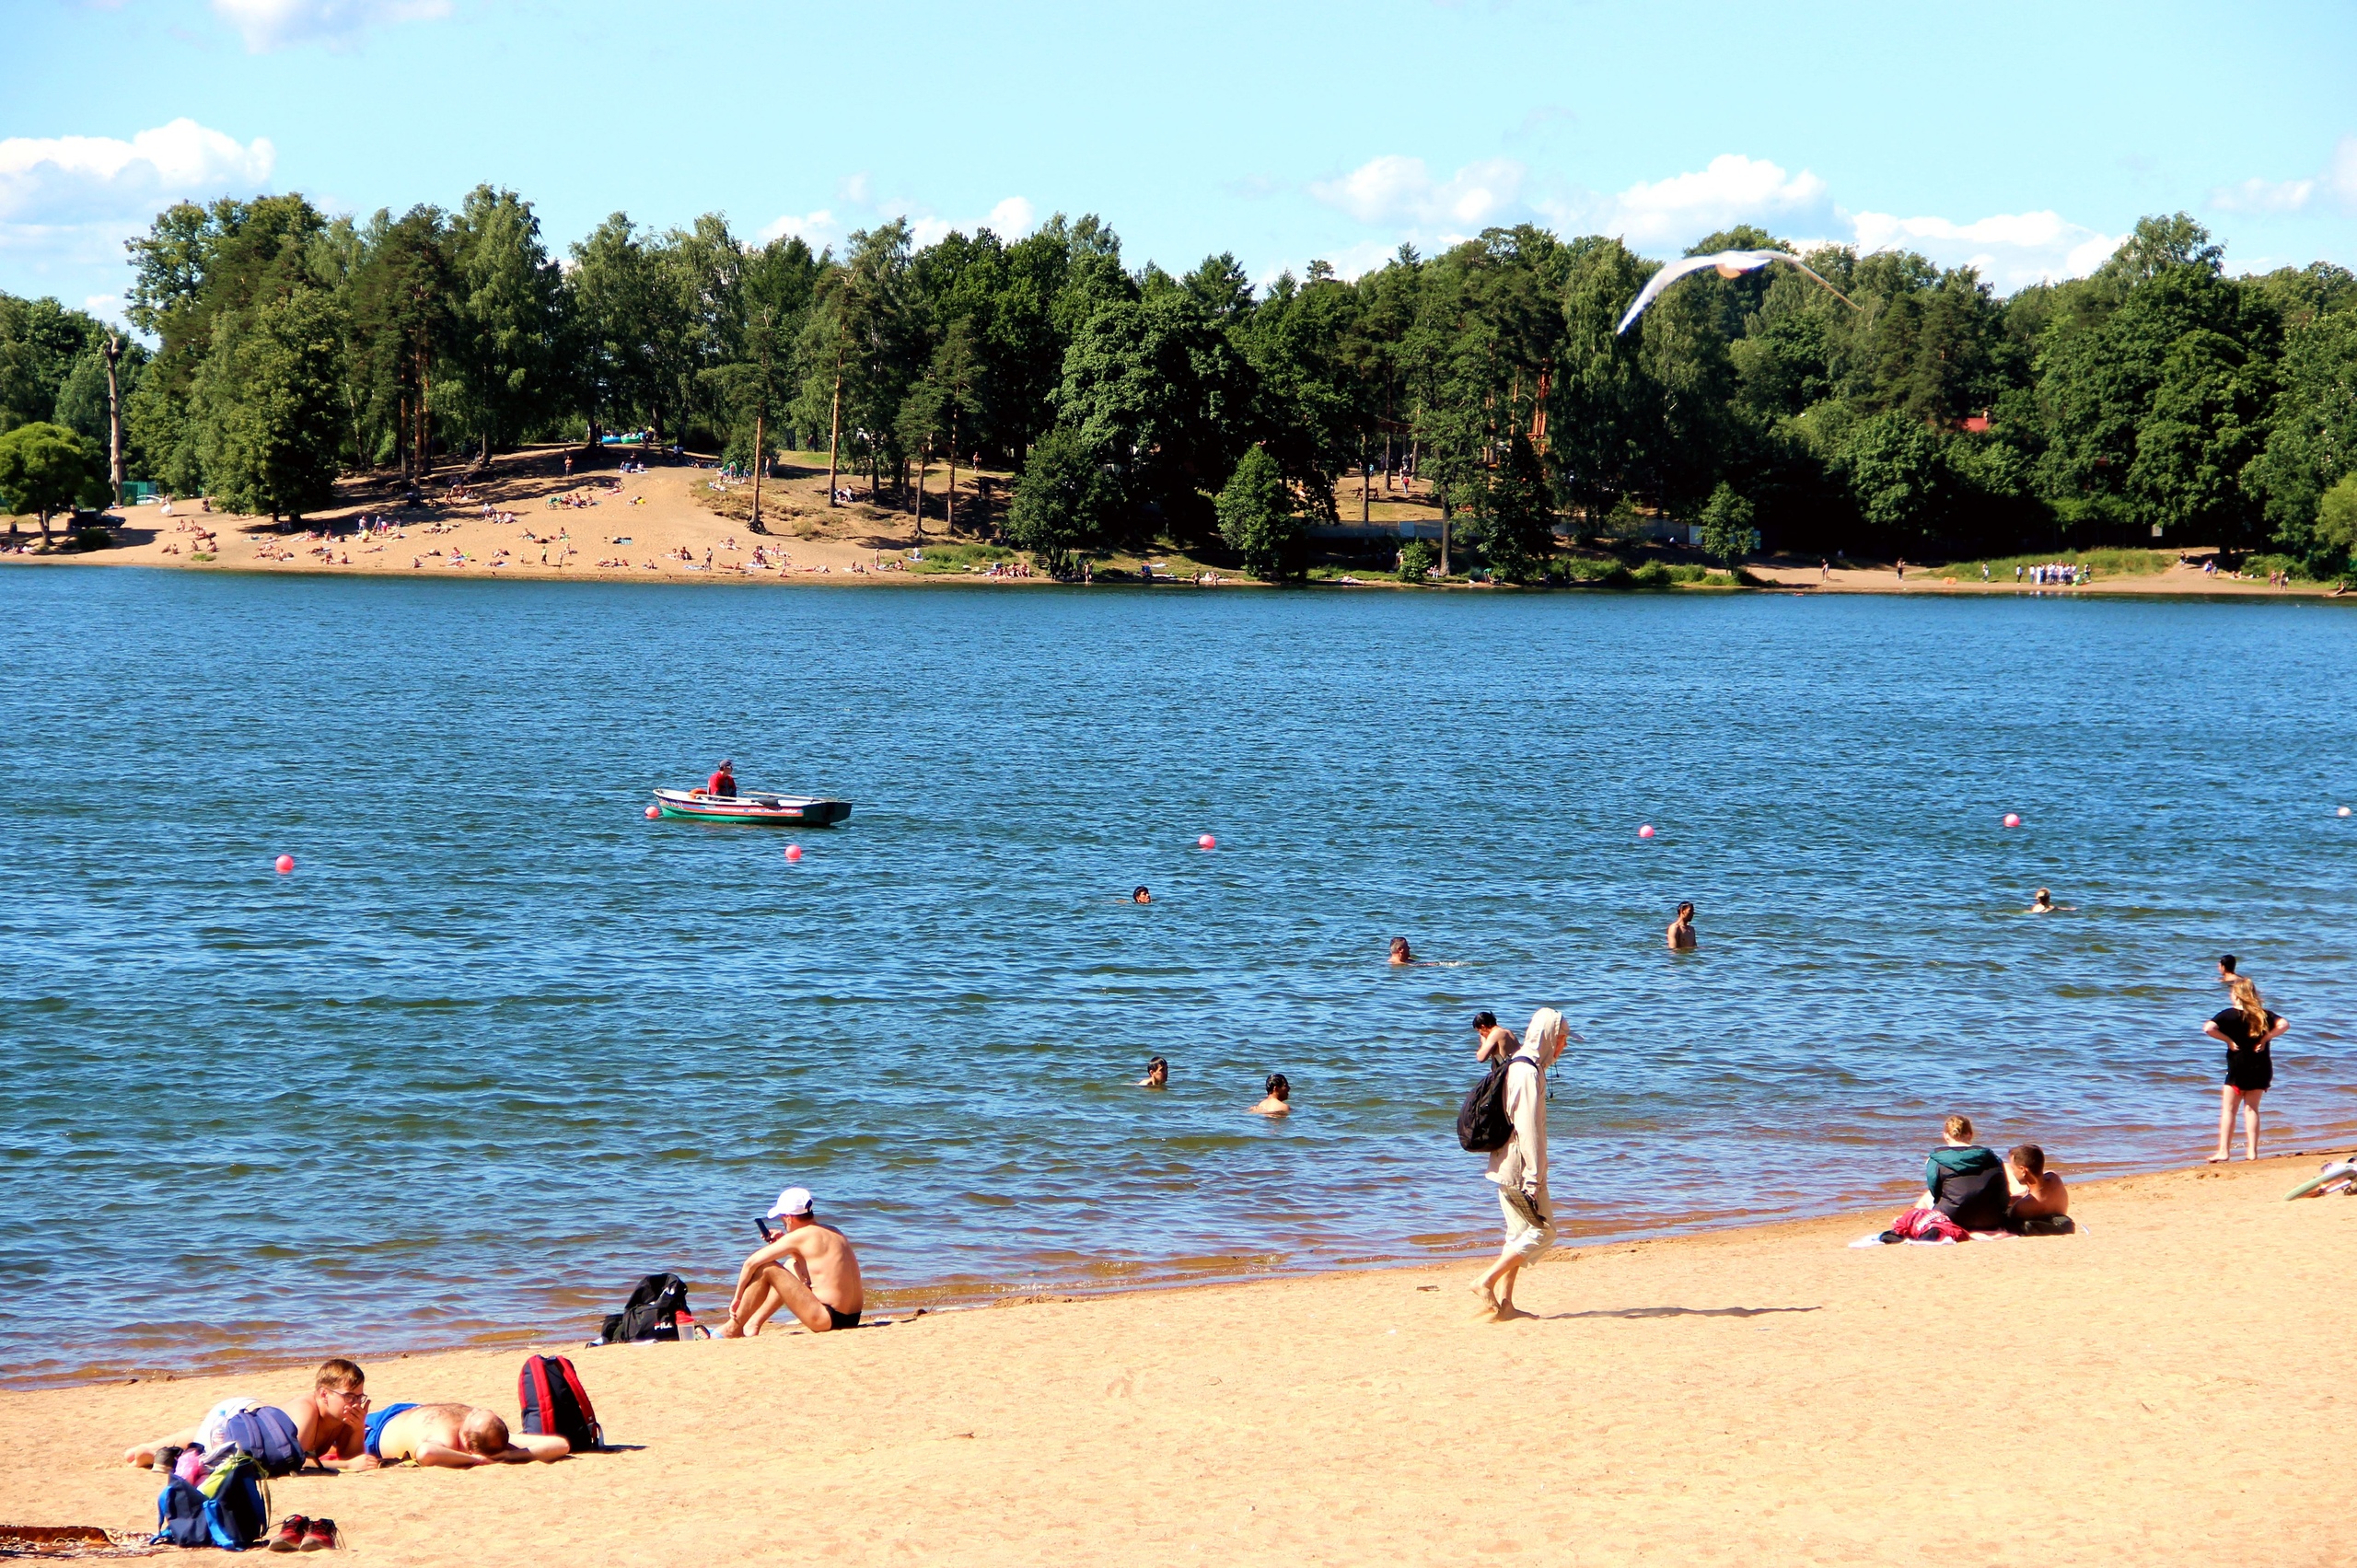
(2168, 1387)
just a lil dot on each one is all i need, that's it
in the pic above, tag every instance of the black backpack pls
(651, 1313)
(556, 1405)
(1482, 1124)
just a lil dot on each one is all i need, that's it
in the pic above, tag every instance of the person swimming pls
(1400, 953)
(1682, 929)
(1141, 896)
(2043, 903)
(1157, 1075)
(1279, 1098)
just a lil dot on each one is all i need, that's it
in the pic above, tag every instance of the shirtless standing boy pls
(811, 1271)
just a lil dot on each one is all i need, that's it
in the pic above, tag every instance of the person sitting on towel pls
(811, 1271)
(1963, 1189)
(2039, 1200)
(452, 1437)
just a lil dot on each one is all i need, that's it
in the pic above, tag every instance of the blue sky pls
(2023, 138)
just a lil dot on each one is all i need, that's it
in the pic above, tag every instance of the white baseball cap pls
(793, 1200)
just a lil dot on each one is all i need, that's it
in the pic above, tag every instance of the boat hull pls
(788, 810)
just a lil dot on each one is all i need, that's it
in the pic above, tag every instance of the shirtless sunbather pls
(2038, 1193)
(811, 1271)
(327, 1421)
(452, 1437)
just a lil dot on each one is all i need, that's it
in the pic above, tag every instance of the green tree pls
(46, 469)
(2333, 539)
(1899, 478)
(1064, 502)
(1727, 533)
(1259, 519)
(505, 321)
(268, 405)
(1158, 394)
(2312, 437)
(1512, 524)
(401, 323)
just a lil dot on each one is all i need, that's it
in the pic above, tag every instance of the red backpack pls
(556, 1405)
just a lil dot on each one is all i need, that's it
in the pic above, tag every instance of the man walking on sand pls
(1519, 1167)
(811, 1271)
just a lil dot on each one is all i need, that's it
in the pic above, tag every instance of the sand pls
(2172, 1385)
(667, 509)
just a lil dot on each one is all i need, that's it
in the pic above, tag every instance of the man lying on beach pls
(327, 1423)
(2039, 1199)
(811, 1271)
(452, 1437)
(1963, 1189)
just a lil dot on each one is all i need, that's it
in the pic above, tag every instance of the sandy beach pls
(635, 527)
(2167, 1387)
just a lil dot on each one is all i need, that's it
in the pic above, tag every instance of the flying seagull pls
(1730, 264)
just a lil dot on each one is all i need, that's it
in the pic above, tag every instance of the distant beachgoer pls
(2247, 1029)
(1278, 1101)
(1964, 1190)
(2042, 902)
(1519, 1168)
(724, 780)
(1824, 570)
(327, 1423)
(452, 1436)
(1491, 1043)
(1141, 896)
(568, 465)
(2226, 975)
(2039, 1196)
(1682, 929)
(1902, 571)
(1157, 1075)
(811, 1271)
(1400, 953)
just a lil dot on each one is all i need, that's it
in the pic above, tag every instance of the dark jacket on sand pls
(1968, 1186)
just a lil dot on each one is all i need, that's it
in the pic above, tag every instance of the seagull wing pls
(1683, 267)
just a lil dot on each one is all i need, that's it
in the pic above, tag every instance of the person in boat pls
(1157, 1075)
(723, 780)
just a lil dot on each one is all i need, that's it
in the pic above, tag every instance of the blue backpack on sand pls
(230, 1509)
(269, 1436)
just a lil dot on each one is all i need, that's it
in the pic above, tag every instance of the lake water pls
(500, 1045)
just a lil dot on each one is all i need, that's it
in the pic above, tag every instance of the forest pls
(2157, 401)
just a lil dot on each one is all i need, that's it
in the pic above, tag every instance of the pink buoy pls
(1207, 841)
(285, 864)
(652, 812)
(2012, 820)
(794, 851)
(1647, 831)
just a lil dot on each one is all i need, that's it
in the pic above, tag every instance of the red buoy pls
(285, 864)
(794, 851)
(1207, 841)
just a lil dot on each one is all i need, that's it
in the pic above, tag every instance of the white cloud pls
(1401, 192)
(2263, 196)
(1731, 190)
(1011, 219)
(278, 24)
(2011, 249)
(2340, 177)
(816, 229)
(67, 180)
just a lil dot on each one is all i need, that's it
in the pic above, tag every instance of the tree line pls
(2158, 398)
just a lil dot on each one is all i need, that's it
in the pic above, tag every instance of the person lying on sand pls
(1278, 1101)
(1963, 1189)
(2039, 1195)
(811, 1271)
(327, 1423)
(453, 1437)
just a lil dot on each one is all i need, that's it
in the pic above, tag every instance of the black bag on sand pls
(1482, 1124)
(556, 1405)
(651, 1313)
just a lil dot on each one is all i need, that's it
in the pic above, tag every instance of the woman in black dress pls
(2247, 1029)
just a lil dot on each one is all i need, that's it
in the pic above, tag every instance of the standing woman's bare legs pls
(2228, 1097)
(2251, 1123)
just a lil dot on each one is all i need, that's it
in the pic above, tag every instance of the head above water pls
(1958, 1128)
(1141, 896)
(1156, 1067)
(1399, 946)
(1278, 1087)
(1686, 911)
(2226, 967)
(482, 1432)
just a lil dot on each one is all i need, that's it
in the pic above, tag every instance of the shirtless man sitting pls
(452, 1437)
(811, 1271)
(328, 1422)
(2038, 1193)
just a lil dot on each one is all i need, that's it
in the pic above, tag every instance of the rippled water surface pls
(500, 1045)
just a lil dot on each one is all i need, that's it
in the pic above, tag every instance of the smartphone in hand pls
(762, 1226)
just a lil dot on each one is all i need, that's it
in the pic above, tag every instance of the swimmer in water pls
(1157, 1075)
(1399, 954)
(1141, 896)
(2044, 905)
(1682, 929)
(1278, 1101)
(1495, 1044)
